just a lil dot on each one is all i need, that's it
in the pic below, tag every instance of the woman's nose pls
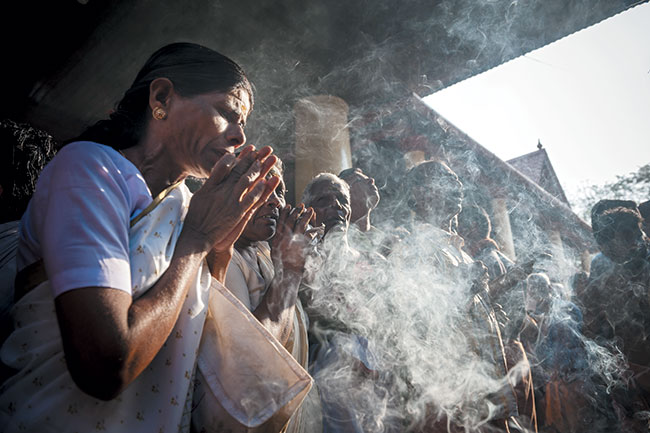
(236, 136)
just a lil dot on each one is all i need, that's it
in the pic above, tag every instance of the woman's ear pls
(160, 93)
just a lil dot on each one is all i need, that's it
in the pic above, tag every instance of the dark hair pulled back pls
(192, 68)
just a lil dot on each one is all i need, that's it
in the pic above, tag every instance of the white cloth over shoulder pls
(42, 397)
(245, 376)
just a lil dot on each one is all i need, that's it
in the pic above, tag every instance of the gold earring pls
(159, 113)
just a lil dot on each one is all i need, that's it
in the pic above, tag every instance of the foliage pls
(632, 186)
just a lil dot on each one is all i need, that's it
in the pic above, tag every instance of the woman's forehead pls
(239, 98)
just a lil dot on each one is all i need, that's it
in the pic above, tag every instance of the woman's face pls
(202, 128)
(264, 222)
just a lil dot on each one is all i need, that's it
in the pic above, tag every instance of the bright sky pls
(586, 97)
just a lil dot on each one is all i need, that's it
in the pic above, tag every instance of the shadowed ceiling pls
(72, 60)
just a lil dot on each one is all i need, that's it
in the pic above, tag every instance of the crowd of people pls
(141, 306)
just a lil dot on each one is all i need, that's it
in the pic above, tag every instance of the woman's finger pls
(249, 155)
(221, 169)
(252, 200)
(245, 159)
(259, 193)
(227, 241)
(267, 164)
(257, 171)
(251, 165)
(245, 151)
(265, 151)
(225, 170)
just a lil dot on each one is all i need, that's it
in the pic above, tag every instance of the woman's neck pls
(154, 165)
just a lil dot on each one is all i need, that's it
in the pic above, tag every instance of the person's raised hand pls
(289, 245)
(237, 186)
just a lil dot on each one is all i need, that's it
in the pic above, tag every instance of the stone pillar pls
(585, 261)
(556, 243)
(501, 227)
(563, 268)
(322, 138)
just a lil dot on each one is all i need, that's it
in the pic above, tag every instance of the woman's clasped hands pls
(237, 186)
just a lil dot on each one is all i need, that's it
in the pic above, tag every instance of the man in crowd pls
(616, 300)
(475, 228)
(623, 285)
(340, 358)
(434, 194)
(602, 264)
(364, 197)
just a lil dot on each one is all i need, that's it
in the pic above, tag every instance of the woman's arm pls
(276, 309)
(108, 337)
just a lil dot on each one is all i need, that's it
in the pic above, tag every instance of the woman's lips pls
(270, 217)
(219, 153)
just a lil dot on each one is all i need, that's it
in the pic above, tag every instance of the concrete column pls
(322, 138)
(556, 243)
(585, 261)
(563, 268)
(501, 227)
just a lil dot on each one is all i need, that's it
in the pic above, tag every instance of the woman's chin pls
(199, 172)
(266, 233)
(206, 165)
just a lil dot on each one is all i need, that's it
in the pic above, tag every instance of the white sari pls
(41, 396)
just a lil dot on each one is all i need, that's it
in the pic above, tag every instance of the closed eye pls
(232, 116)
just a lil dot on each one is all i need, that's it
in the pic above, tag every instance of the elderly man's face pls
(363, 191)
(331, 204)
